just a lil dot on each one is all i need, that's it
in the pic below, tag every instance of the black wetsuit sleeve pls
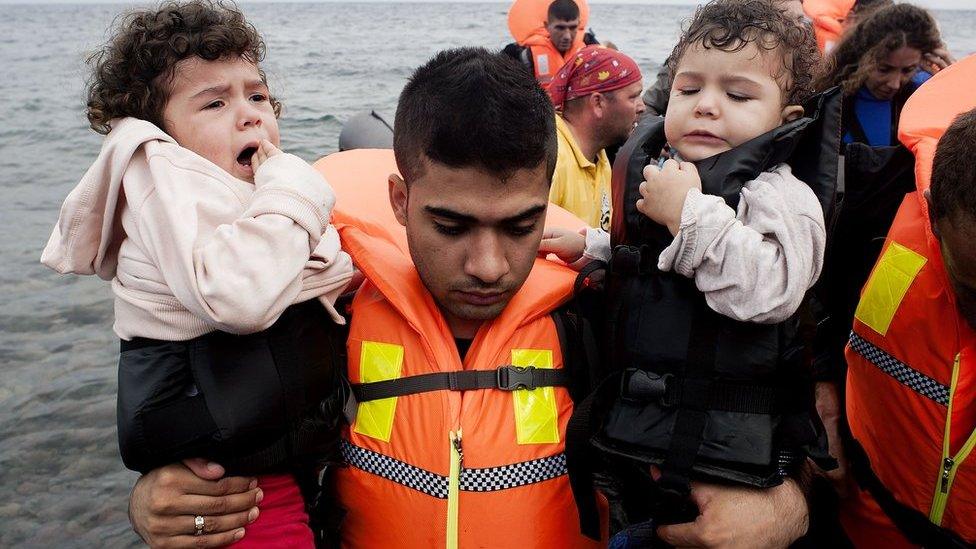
(659, 93)
(520, 54)
(513, 50)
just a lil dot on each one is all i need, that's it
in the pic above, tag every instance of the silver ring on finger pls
(198, 524)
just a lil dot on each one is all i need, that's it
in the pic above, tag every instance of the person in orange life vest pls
(460, 290)
(877, 64)
(597, 99)
(910, 383)
(548, 47)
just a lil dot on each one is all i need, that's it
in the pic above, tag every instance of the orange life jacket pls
(446, 468)
(828, 20)
(527, 23)
(911, 385)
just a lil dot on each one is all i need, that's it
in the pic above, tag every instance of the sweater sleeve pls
(756, 264)
(238, 275)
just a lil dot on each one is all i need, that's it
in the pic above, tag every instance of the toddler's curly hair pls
(730, 25)
(131, 74)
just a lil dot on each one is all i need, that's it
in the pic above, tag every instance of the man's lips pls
(481, 298)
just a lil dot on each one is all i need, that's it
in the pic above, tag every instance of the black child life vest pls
(257, 403)
(696, 393)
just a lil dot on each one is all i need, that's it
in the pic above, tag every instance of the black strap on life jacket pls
(689, 424)
(504, 378)
(912, 523)
(579, 352)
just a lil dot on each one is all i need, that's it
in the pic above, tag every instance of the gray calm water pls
(59, 466)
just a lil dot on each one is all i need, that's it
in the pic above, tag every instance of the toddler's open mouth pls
(244, 159)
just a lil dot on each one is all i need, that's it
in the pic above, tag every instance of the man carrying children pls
(482, 195)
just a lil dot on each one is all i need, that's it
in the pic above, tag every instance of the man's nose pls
(486, 259)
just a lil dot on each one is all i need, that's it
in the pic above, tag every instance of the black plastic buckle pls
(512, 378)
(632, 259)
(643, 386)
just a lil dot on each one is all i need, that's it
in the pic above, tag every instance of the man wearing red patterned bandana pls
(597, 96)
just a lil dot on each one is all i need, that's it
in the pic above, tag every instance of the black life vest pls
(255, 403)
(876, 180)
(696, 393)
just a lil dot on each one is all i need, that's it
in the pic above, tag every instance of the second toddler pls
(703, 288)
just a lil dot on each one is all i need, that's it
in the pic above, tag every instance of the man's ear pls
(928, 201)
(598, 103)
(791, 113)
(399, 196)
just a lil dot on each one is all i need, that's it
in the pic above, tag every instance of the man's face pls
(472, 236)
(624, 107)
(956, 233)
(562, 33)
(892, 73)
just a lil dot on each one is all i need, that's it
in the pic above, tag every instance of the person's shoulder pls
(920, 77)
(513, 50)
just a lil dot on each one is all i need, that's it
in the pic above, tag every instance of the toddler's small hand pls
(566, 244)
(265, 151)
(664, 190)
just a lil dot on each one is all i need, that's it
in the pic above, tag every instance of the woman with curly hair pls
(878, 64)
(218, 245)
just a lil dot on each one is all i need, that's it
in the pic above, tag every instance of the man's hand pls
(734, 517)
(664, 190)
(828, 406)
(567, 245)
(165, 501)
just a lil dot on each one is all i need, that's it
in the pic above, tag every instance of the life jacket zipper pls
(950, 464)
(453, 489)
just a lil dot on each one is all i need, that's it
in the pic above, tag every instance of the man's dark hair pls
(563, 10)
(132, 73)
(953, 189)
(730, 25)
(468, 107)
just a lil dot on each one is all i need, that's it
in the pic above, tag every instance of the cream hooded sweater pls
(191, 249)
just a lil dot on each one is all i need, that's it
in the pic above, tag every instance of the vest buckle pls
(643, 386)
(633, 259)
(512, 378)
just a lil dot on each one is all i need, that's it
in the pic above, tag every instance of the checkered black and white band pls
(903, 373)
(488, 479)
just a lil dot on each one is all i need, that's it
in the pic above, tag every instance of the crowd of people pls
(736, 309)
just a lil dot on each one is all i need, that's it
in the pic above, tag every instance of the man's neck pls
(462, 328)
(585, 139)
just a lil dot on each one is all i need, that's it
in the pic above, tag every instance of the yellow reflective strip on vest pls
(884, 291)
(378, 362)
(536, 416)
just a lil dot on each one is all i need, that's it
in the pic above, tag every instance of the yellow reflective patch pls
(536, 415)
(378, 362)
(884, 291)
